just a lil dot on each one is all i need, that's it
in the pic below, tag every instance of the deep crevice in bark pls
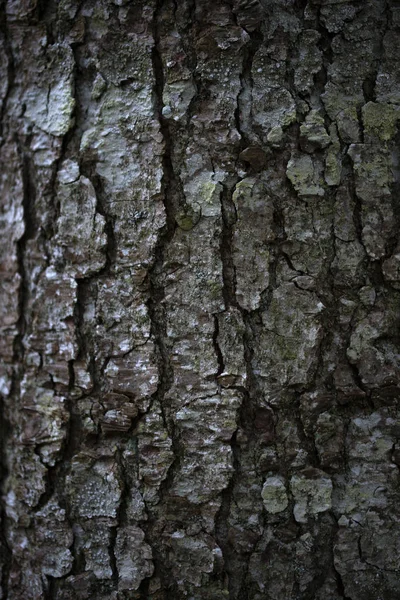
(243, 114)
(228, 211)
(29, 194)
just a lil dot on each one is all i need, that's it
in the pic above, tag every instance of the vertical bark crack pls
(243, 112)
(169, 191)
(229, 218)
(29, 194)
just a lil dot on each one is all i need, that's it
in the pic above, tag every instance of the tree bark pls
(200, 299)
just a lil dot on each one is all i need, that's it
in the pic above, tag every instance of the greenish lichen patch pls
(188, 218)
(203, 194)
(333, 162)
(304, 172)
(391, 269)
(275, 136)
(373, 178)
(287, 347)
(252, 233)
(343, 110)
(272, 103)
(313, 135)
(309, 60)
(380, 120)
(99, 86)
(274, 495)
(312, 491)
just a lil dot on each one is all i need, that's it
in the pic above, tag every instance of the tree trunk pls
(200, 299)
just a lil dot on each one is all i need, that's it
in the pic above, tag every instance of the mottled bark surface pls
(200, 294)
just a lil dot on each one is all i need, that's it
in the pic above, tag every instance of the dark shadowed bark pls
(200, 299)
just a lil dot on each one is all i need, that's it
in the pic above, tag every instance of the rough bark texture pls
(200, 294)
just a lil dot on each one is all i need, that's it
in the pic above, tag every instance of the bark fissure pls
(243, 115)
(228, 212)
(169, 188)
(29, 231)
